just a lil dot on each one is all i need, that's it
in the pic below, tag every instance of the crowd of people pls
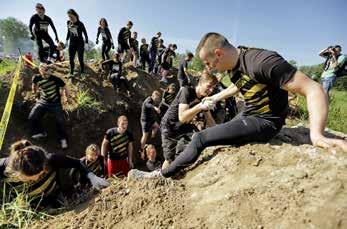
(188, 116)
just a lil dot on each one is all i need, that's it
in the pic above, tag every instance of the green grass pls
(86, 102)
(7, 66)
(17, 212)
(337, 118)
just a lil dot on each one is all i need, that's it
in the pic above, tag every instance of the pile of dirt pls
(283, 184)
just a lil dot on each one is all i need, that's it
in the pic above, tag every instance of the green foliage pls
(17, 212)
(14, 34)
(86, 102)
(341, 83)
(197, 64)
(7, 65)
(313, 71)
(337, 118)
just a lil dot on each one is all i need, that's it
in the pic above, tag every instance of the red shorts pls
(117, 167)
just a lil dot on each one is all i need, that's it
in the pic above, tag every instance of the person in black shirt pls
(264, 78)
(153, 51)
(75, 29)
(176, 123)
(115, 68)
(144, 54)
(167, 98)
(149, 114)
(49, 101)
(38, 171)
(40, 22)
(107, 41)
(167, 61)
(153, 163)
(124, 41)
(117, 149)
(161, 50)
(134, 45)
(183, 76)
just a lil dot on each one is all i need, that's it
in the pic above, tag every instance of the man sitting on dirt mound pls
(51, 88)
(264, 78)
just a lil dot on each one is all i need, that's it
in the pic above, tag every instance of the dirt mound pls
(85, 125)
(274, 185)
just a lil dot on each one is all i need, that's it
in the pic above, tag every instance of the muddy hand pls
(329, 143)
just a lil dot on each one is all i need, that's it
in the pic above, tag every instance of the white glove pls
(207, 104)
(97, 182)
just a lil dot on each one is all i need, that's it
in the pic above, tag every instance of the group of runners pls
(187, 115)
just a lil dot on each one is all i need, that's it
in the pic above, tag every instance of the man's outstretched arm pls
(317, 105)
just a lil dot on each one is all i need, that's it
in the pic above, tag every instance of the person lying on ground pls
(38, 171)
(264, 78)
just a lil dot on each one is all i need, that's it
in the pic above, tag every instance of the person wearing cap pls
(38, 27)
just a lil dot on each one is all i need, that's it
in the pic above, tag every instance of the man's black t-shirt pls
(134, 44)
(183, 65)
(168, 97)
(75, 31)
(49, 88)
(147, 111)
(124, 36)
(260, 75)
(118, 143)
(155, 44)
(168, 57)
(170, 121)
(144, 50)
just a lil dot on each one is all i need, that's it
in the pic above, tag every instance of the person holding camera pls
(334, 60)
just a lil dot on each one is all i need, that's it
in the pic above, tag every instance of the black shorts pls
(123, 47)
(147, 125)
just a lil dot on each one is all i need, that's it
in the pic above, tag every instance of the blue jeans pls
(328, 83)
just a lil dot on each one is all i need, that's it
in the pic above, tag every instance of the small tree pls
(14, 34)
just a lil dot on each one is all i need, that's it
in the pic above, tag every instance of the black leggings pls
(241, 130)
(105, 49)
(44, 36)
(79, 48)
(144, 60)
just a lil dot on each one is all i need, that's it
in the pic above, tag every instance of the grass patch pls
(86, 102)
(337, 118)
(17, 212)
(7, 65)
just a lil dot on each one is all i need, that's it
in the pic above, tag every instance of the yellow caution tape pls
(8, 108)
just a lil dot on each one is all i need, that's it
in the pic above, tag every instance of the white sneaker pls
(136, 174)
(63, 143)
(39, 135)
